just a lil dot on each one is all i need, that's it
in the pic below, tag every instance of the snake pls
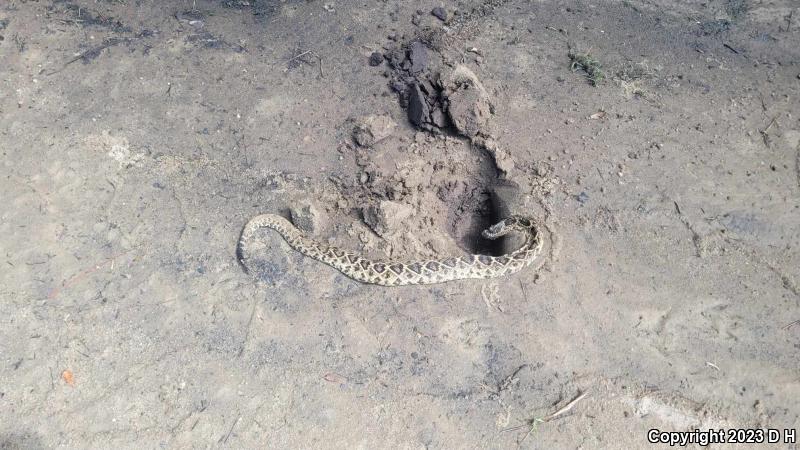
(400, 273)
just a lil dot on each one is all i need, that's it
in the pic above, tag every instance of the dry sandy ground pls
(138, 137)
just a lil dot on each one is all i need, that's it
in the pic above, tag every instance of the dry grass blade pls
(565, 408)
(534, 423)
(585, 62)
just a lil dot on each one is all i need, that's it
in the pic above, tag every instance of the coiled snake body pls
(396, 273)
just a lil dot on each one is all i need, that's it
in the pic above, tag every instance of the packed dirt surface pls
(656, 143)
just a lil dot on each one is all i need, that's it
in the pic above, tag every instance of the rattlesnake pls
(396, 273)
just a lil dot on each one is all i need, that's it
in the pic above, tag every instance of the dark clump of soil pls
(440, 13)
(418, 87)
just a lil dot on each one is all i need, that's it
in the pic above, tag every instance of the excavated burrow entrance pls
(447, 100)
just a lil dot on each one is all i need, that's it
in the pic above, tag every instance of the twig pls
(730, 48)
(247, 330)
(530, 430)
(534, 423)
(507, 381)
(566, 407)
(297, 56)
(225, 439)
(797, 164)
(771, 122)
(600, 173)
(68, 21)
(524, 294)
(764, 134)
(790, 324)
(92, 51)
(308, 52)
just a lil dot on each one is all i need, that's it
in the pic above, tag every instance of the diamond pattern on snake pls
(399, 273)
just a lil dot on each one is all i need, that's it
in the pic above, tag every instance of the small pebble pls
(440, 13)
(375, 59)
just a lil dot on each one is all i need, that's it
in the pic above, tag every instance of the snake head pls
(496, 230)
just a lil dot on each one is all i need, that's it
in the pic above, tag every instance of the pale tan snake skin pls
(397, 273)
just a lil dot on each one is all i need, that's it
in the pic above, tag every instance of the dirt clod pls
(440, 13)
(418, 56)
(387, 217)
(373, 129)
(468, 103)
(306, 216)
(418, 111)
(375, 59)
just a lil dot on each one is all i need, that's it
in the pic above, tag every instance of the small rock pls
(398, 87)
(305, 216)
(469, 105)
(439, 118)
(375, 59)
(440, 13)
(418, 55)
(373, 129)
(418, 111)
(396, 58)
(387, 217)
(469, 111)
(191, 17)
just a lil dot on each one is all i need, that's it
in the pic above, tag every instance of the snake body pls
(397, 273)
